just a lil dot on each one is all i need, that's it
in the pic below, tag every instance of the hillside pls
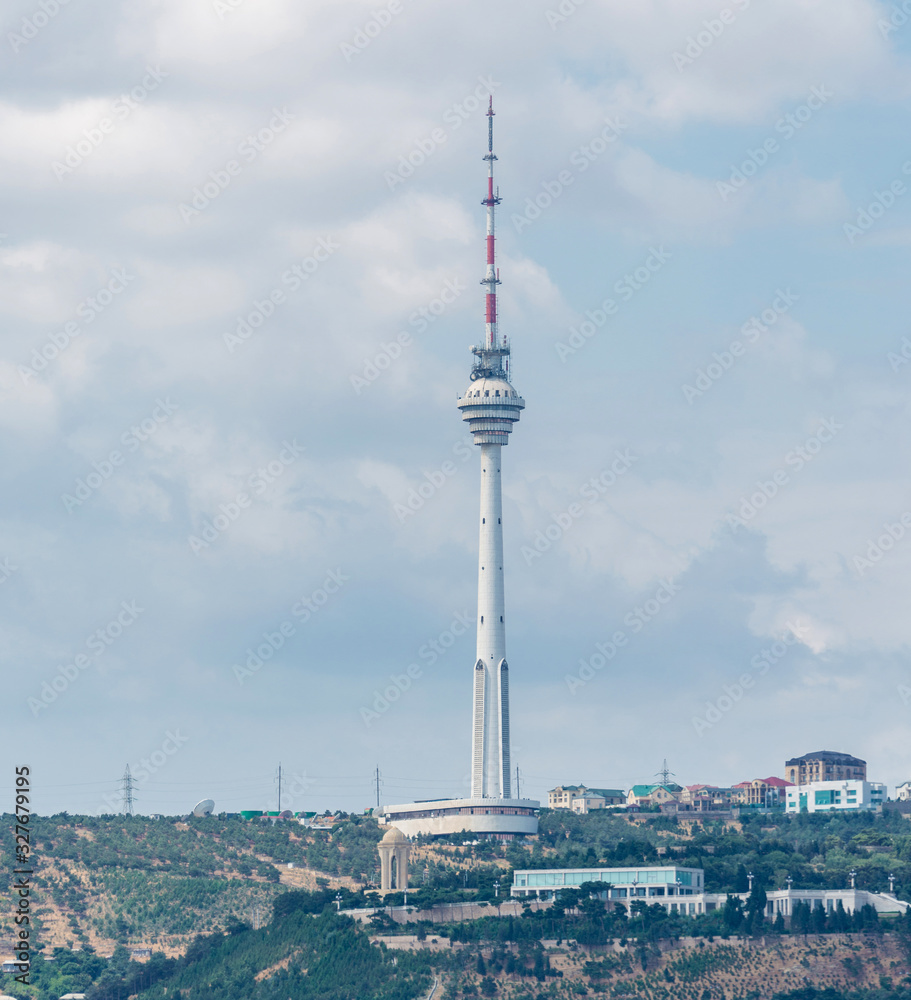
(107, 885)
(308, 952)
(104, 881)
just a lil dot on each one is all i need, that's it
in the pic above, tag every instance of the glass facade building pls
(619, 883)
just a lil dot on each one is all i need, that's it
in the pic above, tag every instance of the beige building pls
(824, 765)
(705, 798)
(652, 795)
(583, 800)
(762, 792)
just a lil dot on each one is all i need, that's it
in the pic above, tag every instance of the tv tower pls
(491, 406)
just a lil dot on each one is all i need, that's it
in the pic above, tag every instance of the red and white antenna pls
(491, 277)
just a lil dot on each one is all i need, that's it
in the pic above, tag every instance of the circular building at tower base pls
(443, 817)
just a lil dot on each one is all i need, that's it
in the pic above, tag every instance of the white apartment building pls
(823, 796)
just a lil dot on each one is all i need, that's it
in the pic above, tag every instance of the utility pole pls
(377, 780)
(279, 786)
(127, 792)
(518, 789)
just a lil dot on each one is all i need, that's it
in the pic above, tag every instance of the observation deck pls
(491, 406)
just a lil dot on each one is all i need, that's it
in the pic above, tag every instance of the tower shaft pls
(490, 767)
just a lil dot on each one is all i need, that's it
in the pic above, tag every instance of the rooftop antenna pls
(664, 774)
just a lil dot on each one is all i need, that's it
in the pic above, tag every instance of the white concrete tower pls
(491, 406)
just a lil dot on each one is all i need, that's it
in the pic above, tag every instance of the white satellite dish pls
(204, 808)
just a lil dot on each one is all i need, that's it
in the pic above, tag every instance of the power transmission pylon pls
(127, 792)
(664, 774)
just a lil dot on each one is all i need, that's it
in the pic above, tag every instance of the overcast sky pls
(241, 253)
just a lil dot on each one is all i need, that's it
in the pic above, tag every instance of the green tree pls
(732, 915)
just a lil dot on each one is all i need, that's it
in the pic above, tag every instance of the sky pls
(241, 249)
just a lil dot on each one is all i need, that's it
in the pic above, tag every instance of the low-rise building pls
(903, 792)
(559, 797)
(682, 891)
(598, 798)
(652, 795)
(824, 796)
(705, 798)
(824, 765)
(767, 793)
(583, 800)
(648, 883)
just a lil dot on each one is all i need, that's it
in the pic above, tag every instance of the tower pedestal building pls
(490, 406)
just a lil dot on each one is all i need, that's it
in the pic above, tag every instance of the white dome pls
(490, 387)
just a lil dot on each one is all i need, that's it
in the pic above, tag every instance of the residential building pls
(903, 792)
(582, 800)
(704, 798)
(767, 793)
(559, 797)
(823, 796)
(597, 798)
(824, 765)
(652, 795)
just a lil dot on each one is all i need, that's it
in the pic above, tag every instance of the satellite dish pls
(204, 808)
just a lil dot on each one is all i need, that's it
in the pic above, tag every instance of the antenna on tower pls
(492, 356)
(127, 782)
(490, 114)
(377, 780)
(664, 774)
